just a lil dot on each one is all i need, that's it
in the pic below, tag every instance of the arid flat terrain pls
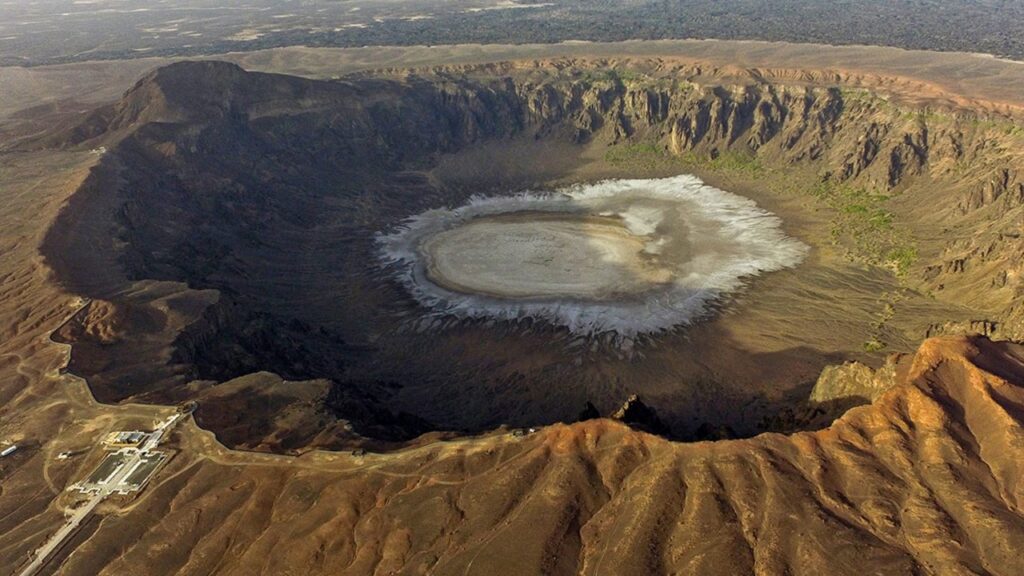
(973, 80)
(128, 29)
(540, 258)
(205, 237)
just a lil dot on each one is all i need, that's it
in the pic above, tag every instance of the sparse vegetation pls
(654, 155)
(866, 227)
(901, 258)
(888, 301)
(734, 162)
(868, 231)
(874, 345)
(643, 155)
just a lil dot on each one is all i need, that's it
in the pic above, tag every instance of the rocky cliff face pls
(268, 188)
(965, 165)
(854, 380)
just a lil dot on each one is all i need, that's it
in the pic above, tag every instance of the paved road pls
(158, 434)
(55, 541)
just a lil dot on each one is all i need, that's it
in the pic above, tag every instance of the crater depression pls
(626, 256)
(273, 248)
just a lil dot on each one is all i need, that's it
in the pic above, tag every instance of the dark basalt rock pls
(589, 413)
(639, 415)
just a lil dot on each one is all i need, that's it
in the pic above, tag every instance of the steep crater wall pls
(269, 189)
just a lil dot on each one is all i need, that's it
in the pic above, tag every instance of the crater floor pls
(528, 255)
(623, 256)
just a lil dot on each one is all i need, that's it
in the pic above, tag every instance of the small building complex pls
(129, 467)
(125, 438)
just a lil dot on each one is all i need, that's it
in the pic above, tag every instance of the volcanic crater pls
(367, 260)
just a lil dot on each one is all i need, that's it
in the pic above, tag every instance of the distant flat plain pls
(942, 78)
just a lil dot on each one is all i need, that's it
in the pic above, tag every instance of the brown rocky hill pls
(926, 480)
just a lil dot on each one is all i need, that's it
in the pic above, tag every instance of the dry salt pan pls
(624, 256)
